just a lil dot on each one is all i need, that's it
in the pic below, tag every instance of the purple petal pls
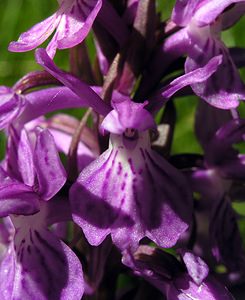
(41, 267)
(63, 142)
(196, 267)
(118, 194)
(220, 152)
(50, 171)
(127, 114)
(209, 11)
(17, 198)
(214, 117)
(11, 105)
(113, 23)
(232, 15)
(36, 35)
(87, 95)
(76, 22)
(190, 78)
(184, 11)
(224, 88)
(183, 288)
(41, 102)
(225, 236)
(25, 159)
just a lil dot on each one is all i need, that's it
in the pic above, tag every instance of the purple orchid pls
(100, 208)
(88, 202)
(222, 165)
(38, 265)
(128, 124)
(183, 281)
(28, 191)
(203, 22)
(72, 21)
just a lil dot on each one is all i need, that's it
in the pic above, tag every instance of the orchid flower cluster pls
(100, 208)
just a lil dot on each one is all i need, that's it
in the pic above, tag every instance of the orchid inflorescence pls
(100, 208)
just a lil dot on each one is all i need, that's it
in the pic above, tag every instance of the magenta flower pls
(189, 279)
(37, 264)
(72, 21)
(137, 198)
(222, 166)
(203, 22)
(137, 169)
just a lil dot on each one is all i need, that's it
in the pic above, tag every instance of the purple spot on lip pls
(29, 249)
(46, 159)
(131, 165)
(140, 171)
(123, 185)
(119, 170)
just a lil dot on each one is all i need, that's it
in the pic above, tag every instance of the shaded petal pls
(193, 76)
(220, 151)
(36, 35)
(196, 267)
(50, 171)
(41, 267)
(39, 103)
(131, 193)
(183, 288)
(77, 22)
(184, 11)
(224, 88)
(210, 10)
(17, 198)
(11, 105)
(230, 17)
(225, 236)
(114, 24)
(25, 159)
(63, 142)
(214, 117)
(80, 88)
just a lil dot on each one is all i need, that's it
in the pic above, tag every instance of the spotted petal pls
(130, 192)
(16, 197)
(39, 266)
(224, 88)
(50, 171)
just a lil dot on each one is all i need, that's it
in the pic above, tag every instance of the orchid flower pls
(72, 21)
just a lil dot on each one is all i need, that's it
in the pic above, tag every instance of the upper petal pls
(49, 169)
(224, 88)
(35, 36)
(78, 87)
(184, 11)
(210, 10)
(76, 22)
